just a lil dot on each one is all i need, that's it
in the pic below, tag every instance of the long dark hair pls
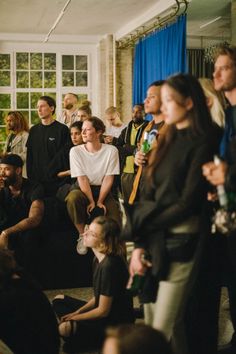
(187, 86)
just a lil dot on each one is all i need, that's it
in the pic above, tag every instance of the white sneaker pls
(81, 248)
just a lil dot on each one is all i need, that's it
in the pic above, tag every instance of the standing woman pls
(84, 111)
(18, 129)
(168, 222)
(114, 124)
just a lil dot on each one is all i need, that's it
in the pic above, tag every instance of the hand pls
(212, 197)
(137, 264)
(140, 159)
(90, 207)
(215, 174)
(108, 139)
(4, 240)
(69, 316)
(101, 205)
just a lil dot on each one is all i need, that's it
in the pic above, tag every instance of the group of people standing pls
(169, 195)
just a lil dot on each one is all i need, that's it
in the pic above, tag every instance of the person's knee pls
(67, 328)
(73, 197)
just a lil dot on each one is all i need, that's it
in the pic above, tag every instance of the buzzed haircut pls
(157, 83)
(73, 94)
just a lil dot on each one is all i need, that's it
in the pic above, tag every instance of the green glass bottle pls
(145, 147)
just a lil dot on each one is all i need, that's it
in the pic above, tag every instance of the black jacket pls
(123, 142)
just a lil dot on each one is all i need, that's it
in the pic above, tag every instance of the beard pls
(138, 120)
(69, 106)
(10, 180)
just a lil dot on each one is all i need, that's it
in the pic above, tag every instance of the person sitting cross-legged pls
(82, 325)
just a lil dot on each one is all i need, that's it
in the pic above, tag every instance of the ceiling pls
(100, 17)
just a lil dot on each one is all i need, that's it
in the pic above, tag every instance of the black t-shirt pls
(10, 141)
(27, 322)
(44, 144)
(15, 209)
(110, 278)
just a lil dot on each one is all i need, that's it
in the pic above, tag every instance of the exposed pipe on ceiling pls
(57, 21)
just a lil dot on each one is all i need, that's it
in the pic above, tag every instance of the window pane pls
(34, 117)
(5, 101)
(34, 97)
(81, 79)
(5, 61)
(22, 100)
(49, 79)
(22, 79)
(36, 61)
(67, 62)
(67, 79)
(3, 114)
(22, 61)
(81, 99)
(5, 78)
(81, 62)
(36, 79)
(50, 61)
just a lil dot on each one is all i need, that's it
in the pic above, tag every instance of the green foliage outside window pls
(74, 70)
(5, 101)
(5, 75)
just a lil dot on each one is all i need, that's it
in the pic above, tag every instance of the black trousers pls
(89, 334)
(218, 269)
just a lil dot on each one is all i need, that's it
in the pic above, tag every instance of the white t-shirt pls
(94, 165)
(115, 131)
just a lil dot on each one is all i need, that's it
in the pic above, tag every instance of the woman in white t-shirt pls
(94, 165)
(114, 124)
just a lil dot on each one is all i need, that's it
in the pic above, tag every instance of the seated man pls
(21, 204)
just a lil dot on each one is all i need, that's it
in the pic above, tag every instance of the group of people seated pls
(168, 176)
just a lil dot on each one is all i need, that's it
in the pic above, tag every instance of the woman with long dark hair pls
(168, 223)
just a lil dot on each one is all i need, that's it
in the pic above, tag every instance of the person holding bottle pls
(224, 173)
(169, 222)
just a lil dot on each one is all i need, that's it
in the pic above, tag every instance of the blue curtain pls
(159, 55)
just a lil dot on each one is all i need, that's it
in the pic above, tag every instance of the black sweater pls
(179, 189)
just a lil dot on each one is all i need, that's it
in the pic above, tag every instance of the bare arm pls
(86, 189)
(101, 311)
(89, 306)
(33, 220)
(63, 174)
(104, 190)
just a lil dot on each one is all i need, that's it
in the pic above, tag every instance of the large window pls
(25, 76)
